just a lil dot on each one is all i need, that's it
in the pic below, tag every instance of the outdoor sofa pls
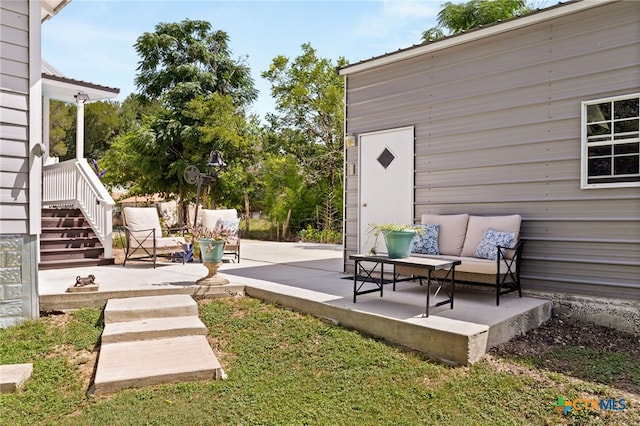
(489, 247)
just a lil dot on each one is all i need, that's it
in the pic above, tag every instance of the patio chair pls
(225, 219)
(144, 239)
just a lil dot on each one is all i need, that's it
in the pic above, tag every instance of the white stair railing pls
(74, 183)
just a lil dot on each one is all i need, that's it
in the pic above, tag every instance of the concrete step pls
(152, 362)
(12, 376)
(137, 308)
(153, 328)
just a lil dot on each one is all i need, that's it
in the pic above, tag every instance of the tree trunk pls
(285, 226)
(247, 213)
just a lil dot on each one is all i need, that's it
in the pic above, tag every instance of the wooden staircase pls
(68, 241)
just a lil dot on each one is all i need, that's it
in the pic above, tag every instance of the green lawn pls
(285, 368)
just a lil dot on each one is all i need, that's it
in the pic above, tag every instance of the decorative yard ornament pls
(192, 176)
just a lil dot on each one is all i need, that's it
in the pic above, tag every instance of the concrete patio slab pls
(307, 277)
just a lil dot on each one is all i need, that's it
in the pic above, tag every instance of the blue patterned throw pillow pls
(427, 242)
(491, 239)
(230, 225)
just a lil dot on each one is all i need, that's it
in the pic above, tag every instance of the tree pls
(61, 128)
(187, 69)
(309, 100)
(101, 125)
(180, 61)
(472, 14)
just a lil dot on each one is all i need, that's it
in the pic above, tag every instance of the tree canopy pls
(180, 61)
(308, 125)
(464, 16)
(196, 95)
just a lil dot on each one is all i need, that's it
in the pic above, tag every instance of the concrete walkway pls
(152, 340)
(308, 277)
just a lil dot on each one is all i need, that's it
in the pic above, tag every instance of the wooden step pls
(69, 243)
(75, 263)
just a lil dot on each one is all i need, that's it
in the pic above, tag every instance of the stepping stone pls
(137, 308)
(151, 362)
(152, 328)
(13, 376)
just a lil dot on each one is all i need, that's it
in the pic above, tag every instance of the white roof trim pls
(48, 8)
(481, 33)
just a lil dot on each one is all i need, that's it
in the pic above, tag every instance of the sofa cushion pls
(487, 249)
(478, 226)
(453, 228)
(427, 242)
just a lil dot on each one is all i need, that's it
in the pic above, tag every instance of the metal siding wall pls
(498, 132)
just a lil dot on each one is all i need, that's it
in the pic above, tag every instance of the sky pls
(93, 40)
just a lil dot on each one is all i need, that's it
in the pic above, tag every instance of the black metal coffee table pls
(424, 267)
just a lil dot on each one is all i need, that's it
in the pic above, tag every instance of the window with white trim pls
(611, 142)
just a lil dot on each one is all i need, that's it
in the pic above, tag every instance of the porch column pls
(80, 100)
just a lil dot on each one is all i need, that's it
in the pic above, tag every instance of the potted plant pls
(398, 238)
(211, 243)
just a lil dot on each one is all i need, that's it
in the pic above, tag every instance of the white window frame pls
(584, 163)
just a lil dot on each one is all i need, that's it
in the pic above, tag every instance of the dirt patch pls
(579, 349)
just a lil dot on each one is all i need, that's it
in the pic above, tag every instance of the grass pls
(285, 368)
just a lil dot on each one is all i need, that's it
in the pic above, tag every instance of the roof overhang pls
(66, 89)
(561, 9)
(48, 8)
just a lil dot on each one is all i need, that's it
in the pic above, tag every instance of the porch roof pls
(56, 86)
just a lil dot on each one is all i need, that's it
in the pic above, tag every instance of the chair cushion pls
(210, 217)
(144, 219)
(453, 228)
(491, 239)
(427, 242)
(478, 226)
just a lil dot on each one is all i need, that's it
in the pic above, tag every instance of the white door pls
(386, 181)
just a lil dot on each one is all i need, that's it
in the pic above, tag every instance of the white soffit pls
(48, 8)
(477, 34)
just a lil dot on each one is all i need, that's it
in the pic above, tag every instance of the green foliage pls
(181, 61)
(308, 129)
(61, 128)
(320, 235)
(472, 14)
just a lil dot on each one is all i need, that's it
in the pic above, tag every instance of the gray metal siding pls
(498, 131)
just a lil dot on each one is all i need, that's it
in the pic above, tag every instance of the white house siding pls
(498, 127)
(18, 247)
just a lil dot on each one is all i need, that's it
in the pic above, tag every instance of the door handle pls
(364, 205)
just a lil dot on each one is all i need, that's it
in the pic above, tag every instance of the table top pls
(425, 262)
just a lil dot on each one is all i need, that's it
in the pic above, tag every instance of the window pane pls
(598, 151)
(626, 126)
(626, 165)
(598, 129)
(627, 108)
(599, 167)
(627, 148)
(598, 112)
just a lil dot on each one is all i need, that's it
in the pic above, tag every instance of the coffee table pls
(423, 266)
